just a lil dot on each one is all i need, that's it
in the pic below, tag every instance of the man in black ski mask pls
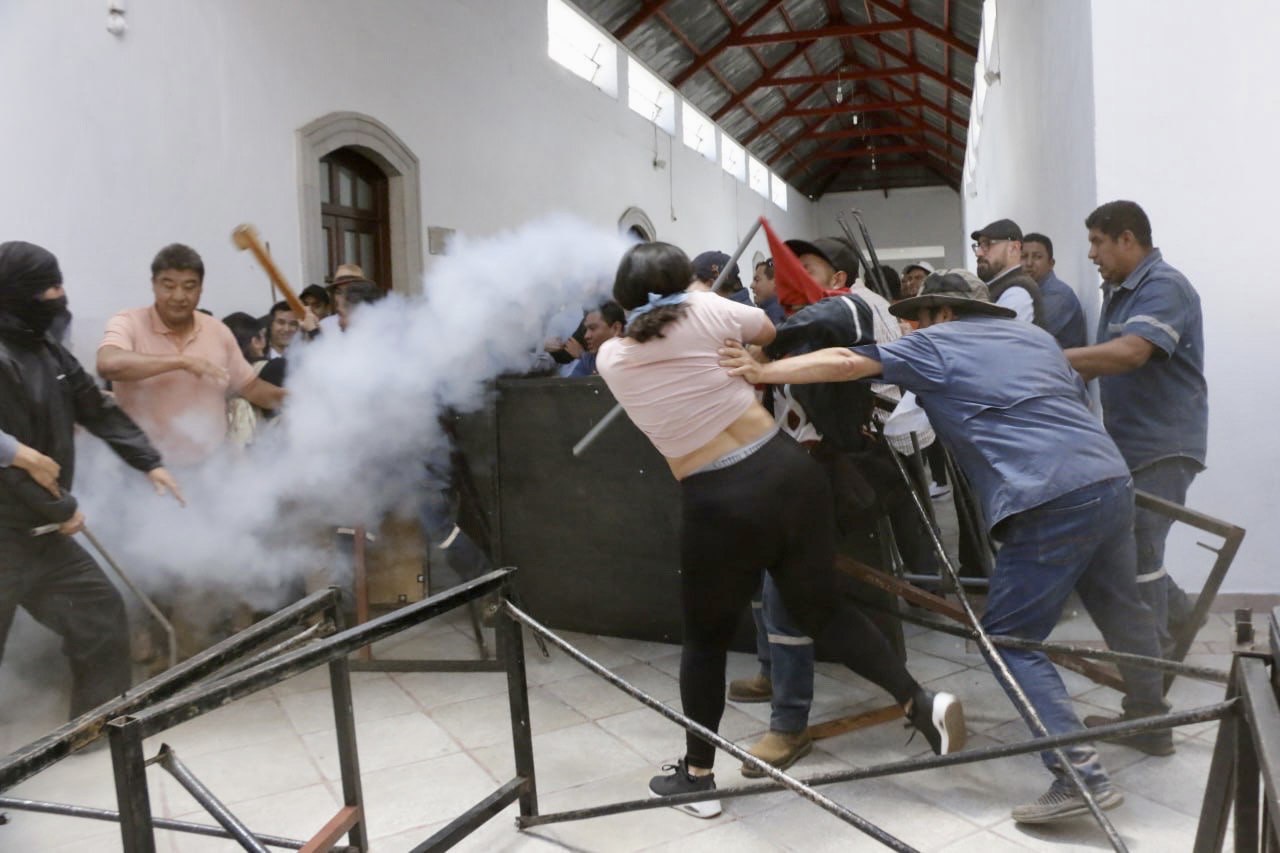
(45, 393)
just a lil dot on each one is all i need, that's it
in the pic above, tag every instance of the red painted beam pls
(725, 43)
(840, 109)
(739, 97)
(860, 153)
(906, 16)
(833, 77)
(860, 132)
(831, 31)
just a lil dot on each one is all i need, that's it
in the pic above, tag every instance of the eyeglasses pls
(984, 245)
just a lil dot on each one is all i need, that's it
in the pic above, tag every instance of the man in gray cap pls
(998, 247)
(46, 393)
(1054, 489)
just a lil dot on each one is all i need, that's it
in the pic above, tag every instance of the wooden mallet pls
(246, 237)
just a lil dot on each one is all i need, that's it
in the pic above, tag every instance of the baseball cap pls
(709, 265)
(1001, 229)
(833, 250)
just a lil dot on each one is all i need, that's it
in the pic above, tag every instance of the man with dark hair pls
(1149, 360)
(707, 268)
(607, 321)
(282, 326)
(46, 393)
(764, 290)
(250, 334)
(317, 299)
(1059, 498)
(998, 247)
(913, 276)
(831, 419)
(172, 367)
(1063, 316)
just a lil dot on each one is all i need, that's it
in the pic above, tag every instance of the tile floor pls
(433, 744)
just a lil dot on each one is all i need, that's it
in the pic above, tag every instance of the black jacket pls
(1018, 278)
(839, 410)
(44, 393)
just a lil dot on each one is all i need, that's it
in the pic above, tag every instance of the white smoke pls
(360, 420)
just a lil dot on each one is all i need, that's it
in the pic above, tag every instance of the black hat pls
(833, 250)
(1001, 229)
(960, 289)
(709, 265)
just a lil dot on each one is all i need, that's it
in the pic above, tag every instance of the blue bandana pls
(657, 300)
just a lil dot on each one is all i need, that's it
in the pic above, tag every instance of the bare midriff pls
(750, 425)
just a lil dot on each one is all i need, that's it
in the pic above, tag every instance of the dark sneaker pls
(1063, 801)
(757, 688)
(940, 718)
(681, 782)
(1152, 743)
(781, 749)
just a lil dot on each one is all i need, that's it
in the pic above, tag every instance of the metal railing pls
(246, 663)
(1244, 774)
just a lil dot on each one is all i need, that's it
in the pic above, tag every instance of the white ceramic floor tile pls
(565, 758)
(424, 793)
(487, 721)
(388, 742)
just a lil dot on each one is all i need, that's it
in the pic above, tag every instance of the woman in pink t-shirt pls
(752, 499)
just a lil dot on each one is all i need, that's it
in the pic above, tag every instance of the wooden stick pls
(246, 237)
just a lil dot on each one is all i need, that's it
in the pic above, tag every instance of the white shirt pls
(1016, 299)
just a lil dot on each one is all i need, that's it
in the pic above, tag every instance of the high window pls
(698, 131)
(574, 42)
(650, 97)
(733, 158)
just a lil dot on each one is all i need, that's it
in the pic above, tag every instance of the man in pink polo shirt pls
(172, 368)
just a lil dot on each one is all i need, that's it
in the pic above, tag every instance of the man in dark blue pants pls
(1054, 488)
(1149, 361)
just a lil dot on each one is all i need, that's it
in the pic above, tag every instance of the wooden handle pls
(246, 237)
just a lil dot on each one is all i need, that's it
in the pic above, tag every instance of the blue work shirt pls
(1161, 410)
(585, 365)
(772, 309)
(1063, 316)
(1003, 399)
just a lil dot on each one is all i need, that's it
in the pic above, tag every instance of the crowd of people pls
(998, 363)
(767, 400)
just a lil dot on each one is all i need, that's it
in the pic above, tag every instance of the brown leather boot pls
(781, 749)
(757, 688)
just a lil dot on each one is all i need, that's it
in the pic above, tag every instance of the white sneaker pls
(937, 492)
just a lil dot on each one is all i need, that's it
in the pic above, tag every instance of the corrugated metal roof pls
(727, 57)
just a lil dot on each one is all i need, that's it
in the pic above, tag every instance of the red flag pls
(795, 286)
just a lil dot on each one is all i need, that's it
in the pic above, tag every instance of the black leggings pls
(772, 510)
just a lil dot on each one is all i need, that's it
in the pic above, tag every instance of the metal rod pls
(1011, 685)
(470, 820)
(170, 634)
(88, 727)
(919, 580)
(708, 735)
(344, 724)
(168, 759)
(129, 768)
(1203, 673)
(594, 433)
(874, 273)
(279, 648)
(510, 641)
(69, 810)
(1218, 711)
(205, 698)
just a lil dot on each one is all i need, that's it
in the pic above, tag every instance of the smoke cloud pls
(360, 420)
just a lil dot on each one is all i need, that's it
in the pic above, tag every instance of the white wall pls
(1191, 137)
(917, 216)
(1035, 157)
(186, 126)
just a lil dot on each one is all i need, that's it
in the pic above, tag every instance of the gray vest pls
(1027, 283)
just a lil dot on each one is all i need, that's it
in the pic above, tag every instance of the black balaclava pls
(27, 271)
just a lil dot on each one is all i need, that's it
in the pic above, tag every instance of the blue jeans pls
(1082, 541)
(1168, 479)
(786, 658)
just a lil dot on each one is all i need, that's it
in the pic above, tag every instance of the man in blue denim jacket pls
(1054, 490)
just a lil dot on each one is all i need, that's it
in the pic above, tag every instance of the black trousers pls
(59, 584)
(772, 509)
